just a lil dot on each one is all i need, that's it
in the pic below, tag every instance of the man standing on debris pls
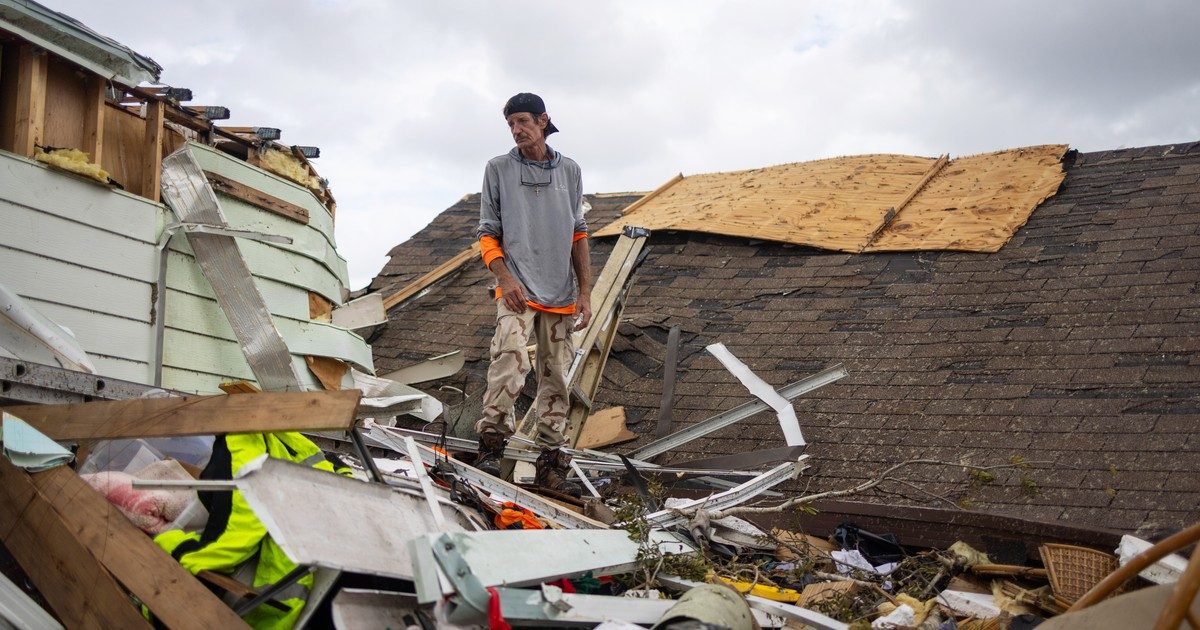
(533, 238)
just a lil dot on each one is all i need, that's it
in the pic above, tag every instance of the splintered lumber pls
(78, 588)
(604, 428)
(428, 279)
(171, 593)
(194, 415)
(328, 370)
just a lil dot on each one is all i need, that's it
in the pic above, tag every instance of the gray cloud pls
(404, 98)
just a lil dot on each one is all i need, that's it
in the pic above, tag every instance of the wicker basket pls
(1075, 570)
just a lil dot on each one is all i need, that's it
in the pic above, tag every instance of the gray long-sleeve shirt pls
(534, 209)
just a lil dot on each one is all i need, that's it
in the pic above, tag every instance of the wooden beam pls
(32, 70)
(152, 151)
(652, 194)
(194, 415)
(93, 118)
(81, 592)
(154, 577)
(257, 198)
(428, 279)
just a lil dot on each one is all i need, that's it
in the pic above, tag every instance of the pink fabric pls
(151, 510)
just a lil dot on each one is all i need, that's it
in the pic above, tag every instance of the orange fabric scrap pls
(513, 516)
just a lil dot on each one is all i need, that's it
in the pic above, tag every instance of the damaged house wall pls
(81, 226)
(1073, 346)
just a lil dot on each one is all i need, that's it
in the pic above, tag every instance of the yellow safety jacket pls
(234, 534)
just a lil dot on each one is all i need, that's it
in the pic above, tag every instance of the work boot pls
(491, 451)
(551, 472)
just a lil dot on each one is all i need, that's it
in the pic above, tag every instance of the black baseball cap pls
(531, 103)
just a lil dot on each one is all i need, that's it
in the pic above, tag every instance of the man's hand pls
(513, 294)
(511, 290)
(583, 309)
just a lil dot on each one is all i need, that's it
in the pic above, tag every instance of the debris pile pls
(421, 537)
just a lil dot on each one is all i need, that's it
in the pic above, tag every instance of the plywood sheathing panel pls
(66, 106)
(977, 202)
(972, 204)
(122, 157)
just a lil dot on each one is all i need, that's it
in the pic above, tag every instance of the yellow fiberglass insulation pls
(288, 166)
(73, 160)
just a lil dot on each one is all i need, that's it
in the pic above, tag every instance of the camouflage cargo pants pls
(510, 365)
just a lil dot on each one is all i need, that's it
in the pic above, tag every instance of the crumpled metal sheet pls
(187, 191)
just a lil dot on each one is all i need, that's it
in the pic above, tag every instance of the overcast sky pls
(404, 98)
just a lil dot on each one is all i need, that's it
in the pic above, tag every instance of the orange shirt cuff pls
(489, 248)
(558, 310)
(578, 236)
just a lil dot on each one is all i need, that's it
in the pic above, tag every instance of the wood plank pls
(194, 415)
(240, 387)
(171, 593)
(652, 194)
(93, 119)
(430, 278)
(604, 428)
(152, 151)
(328, 370)
(257, 198)
(80, 591)
(31, 99)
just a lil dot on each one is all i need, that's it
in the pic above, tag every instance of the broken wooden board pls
(864, 203)
(604, 428)
(76, 538)
(328, 370)
(194, 415)
(429, 279)
(257, 198)
(79, 590)
(814, 593)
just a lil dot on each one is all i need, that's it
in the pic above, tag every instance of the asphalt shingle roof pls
(1075, 346)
